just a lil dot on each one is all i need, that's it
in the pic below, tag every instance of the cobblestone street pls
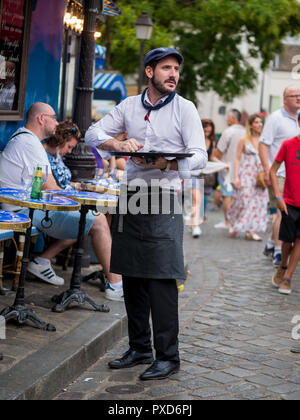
(235, 335)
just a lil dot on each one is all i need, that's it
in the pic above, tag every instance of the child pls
(289, 205)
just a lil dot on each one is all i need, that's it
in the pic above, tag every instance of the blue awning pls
(110, 81)
(110, 9)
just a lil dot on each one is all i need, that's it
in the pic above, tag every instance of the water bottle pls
(36, 191)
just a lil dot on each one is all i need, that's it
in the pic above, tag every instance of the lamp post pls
(143, 27)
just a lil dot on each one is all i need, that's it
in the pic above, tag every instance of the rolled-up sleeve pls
(107, 128)
(194, 140)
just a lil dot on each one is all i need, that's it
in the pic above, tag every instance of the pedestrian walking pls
(209, 181)
(226, 152)
(280, 125)
(248, 212)
(147, 248)
(289, 206)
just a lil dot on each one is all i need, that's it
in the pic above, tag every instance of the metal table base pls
(74, 294)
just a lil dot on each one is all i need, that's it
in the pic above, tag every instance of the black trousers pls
(160, 299)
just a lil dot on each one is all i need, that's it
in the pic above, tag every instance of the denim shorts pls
(65, 224)
(226, 191)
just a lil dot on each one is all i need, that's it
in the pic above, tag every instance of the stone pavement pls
(235, 334)
(38, 364)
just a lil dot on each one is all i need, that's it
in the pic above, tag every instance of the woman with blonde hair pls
(248, 212)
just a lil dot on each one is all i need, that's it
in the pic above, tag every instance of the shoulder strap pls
(21, 132)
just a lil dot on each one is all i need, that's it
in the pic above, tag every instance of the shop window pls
(15, 18)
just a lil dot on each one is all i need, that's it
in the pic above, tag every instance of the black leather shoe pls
(131, 358)
(160, 369)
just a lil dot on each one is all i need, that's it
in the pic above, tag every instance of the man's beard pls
(160, 87)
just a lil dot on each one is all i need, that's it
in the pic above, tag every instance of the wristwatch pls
(168, 167)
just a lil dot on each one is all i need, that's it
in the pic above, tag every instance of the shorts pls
(290, 225)
(272, 198)
(227, 190)
(65, 224)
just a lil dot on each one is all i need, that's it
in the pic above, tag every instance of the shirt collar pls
(286, 114)
(147, 100)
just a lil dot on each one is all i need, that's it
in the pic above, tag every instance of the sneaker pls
(222, 225)
(277, 260)
(196, 232)
(114, 294)
(285, 287)
(268, 252)
(45, 272)
(278, 277)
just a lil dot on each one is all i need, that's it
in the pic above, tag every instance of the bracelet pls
(280, 198)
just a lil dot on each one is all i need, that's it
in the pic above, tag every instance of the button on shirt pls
(175, 127)
(280, 126)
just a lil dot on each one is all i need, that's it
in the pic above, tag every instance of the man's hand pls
(267, 178)
(130, 146)
(160, 163)
(282, 206)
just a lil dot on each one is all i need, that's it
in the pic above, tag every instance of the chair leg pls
(18, 261)
(1, 266)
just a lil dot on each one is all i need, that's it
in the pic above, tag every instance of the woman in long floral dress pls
(249, 209)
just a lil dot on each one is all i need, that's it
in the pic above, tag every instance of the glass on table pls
(100, 172)
(27, 175)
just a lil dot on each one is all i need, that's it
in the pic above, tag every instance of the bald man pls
(281, 125)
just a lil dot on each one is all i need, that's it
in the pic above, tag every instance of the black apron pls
(149, 245)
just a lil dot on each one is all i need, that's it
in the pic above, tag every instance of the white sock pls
(277, 250)
(270, 243)
(117, 286)
(42, 261)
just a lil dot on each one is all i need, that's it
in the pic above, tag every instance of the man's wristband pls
(279, 198)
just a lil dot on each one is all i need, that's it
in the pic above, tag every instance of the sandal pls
(253, 237)
(232, 233)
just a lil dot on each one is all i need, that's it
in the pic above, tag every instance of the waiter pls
(147, 248)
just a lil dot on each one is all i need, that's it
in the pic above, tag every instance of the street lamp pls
(143, 27)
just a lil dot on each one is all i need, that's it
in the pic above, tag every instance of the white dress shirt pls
(175, 127)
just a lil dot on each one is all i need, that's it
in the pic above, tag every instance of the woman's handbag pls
(260, 181)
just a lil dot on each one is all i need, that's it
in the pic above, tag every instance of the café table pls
(16, 223)
(104, 186)
(88, 201)
(18, 312)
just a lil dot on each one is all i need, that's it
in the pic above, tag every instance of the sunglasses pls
(206, 124)
(72, 130)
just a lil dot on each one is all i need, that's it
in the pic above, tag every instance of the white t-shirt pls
(25, 149)
(280, 126)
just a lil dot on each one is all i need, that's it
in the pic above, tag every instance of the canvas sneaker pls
(285, 287)
(196, 232)
(278, 277)
(45, 272)
(277, 260)
(114, 294)
(268, 252)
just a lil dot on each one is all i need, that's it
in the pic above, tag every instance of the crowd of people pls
(142, 254)
(260, 182)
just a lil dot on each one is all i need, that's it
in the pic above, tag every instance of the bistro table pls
(104, 186)
(88, 201)
(18, 312)
(16, 223)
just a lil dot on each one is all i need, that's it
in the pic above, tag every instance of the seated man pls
(25, 149)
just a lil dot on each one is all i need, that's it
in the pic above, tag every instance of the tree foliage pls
(210, 34)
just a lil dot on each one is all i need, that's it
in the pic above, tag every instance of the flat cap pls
(160, 53)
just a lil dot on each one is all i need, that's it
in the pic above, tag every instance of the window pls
(15, 18)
